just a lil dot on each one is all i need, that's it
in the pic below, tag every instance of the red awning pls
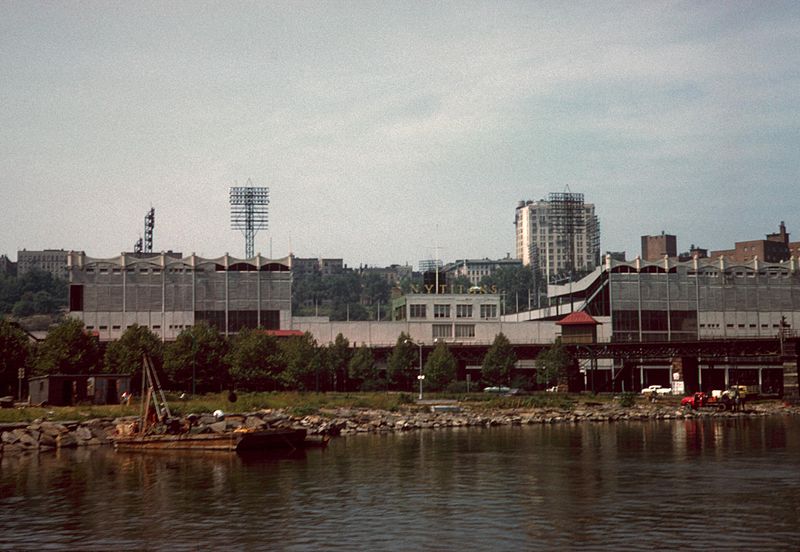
(578, 319)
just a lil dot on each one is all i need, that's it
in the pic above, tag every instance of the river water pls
(732, 484)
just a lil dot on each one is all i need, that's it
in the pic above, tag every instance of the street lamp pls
(421, 376)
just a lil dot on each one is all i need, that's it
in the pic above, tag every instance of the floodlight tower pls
(249, 212)
(149, 224)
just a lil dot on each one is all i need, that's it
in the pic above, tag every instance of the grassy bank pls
(300, 404)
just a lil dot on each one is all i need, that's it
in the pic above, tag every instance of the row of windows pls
(441, 331)
(443, 311)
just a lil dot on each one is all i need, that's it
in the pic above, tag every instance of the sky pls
(389, 132)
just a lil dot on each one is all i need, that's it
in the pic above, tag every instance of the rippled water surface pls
(694, 485)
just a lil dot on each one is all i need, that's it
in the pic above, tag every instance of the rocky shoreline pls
(45, 435)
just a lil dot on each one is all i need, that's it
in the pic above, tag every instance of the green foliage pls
(68, 349)
(303, 367)
(14, 354)
(340, 296)
(375, 289)
(200, 351)
(348, 311)
(460, 284)
(255, 361)
(456, 387)
(627, 400)
(361, 369)
(124, 356)
(498, 362)
(516, 282)
(405, 398)
(403, 358)
(552, 364)
(440, 368)
(35, 292)
(338, 359)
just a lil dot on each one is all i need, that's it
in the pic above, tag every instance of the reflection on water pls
(643, 486)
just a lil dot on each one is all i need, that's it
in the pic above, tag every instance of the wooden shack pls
(578, 328)
(72, 389)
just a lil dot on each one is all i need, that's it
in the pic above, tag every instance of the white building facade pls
(557, 236)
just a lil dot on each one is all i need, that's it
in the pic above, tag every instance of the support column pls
(791, 392)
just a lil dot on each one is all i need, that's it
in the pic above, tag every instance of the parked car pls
(657, 389)
(497, 390)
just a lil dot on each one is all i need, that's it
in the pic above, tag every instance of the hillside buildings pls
(477, 269)
(560, 236)
(53, 261)
(7, 266)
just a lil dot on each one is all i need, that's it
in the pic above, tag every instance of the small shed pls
(578, 328)
(72, 389)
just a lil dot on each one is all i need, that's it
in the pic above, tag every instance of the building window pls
(417, 311)
(465, 330)
(463, 311)
(441, 311)
(442, 330)
(488, 311)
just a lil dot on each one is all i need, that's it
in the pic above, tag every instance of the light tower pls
(149, 224)
(249, 212)
(146, 245)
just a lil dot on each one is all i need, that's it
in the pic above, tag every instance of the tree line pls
(34, 292)
(202, 360)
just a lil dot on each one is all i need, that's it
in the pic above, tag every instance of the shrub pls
(627, 400)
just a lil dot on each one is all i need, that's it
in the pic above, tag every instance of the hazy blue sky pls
(384, 129)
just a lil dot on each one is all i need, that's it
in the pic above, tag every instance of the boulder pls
(254, 422)
(52, 429)
(66, 440)
(218, 427)
(29, 439)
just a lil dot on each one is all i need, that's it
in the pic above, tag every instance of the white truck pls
(657, 390)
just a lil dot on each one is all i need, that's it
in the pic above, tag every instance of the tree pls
(344, 287)
(515, 283)
(255, 361)
(197, 356)
(35, 292)
(361, 370)
(124, 356)
(460, 284)
(552, 365)
(304, 370)
(376, 289)
(400, 363)
(337, 359)
(68, 349)
(348, 311)
(440, 368)
(14, 354)
(498, 362)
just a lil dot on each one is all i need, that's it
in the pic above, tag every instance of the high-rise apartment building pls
(560, 236)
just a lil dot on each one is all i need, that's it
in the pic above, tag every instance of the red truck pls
(700, 400)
